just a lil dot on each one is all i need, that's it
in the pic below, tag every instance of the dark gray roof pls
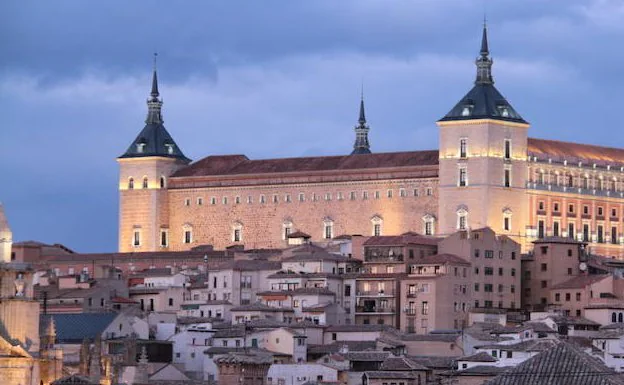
(258, 306)
(537, 345)
(154, 138)
(479, 370)
(435, 362)
(401, 363)
(258, 358)
(369, 356)
(358, 328)
(563, 364)
(429, 337)
(233, 332)
(74, 379)
(74, 328)
(484, 101)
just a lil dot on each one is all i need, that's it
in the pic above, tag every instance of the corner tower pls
(483, 150)
(144, 170)
(6, 237)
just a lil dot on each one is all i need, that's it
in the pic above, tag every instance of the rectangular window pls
(488, 270)
(187, 202)
(237, 200)
(287, 198)
(136, 239)
(463, 177)
(164, 241)
(329, 229)
(237, 235)
(275, 198)
(328, 196)
(488, 254)
(213, 200)
(507, 179)
(188, 236)
(352, 195)
(389, 193)
(364, 195)
(614, 237)
(301, 197)
(506, 223)
(488, 288)
(425, 308)
(262, 199)
(556, 229)
(586, 232)
(286, 232)
(428, 228)
(568, 297)
(376, 229)
(571, 230)
(463, 144)
(249, 199)
(429, 191)
(402, 193)
(600, 233)
(416, 192)
(544, 267)
(540, 229)
(339, 196)
(507, 148)
(200, 201)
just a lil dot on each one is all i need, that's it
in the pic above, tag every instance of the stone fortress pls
(487, 173)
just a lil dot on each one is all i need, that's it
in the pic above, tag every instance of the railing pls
(364, 309)
(410, 311)
(575, 190)
(385, 258)
(375, 293)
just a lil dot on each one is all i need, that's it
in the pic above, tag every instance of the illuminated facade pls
(487, 172)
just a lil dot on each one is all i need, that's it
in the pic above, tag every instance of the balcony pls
(571, 215)
(374, 310)
(575, 190)
(412, 294)
(383, 258)
(586, 216)
(410, 312)
(556, 213)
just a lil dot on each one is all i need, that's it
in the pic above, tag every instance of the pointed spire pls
(154, 92)
(154, 104)
(6, 237)
(361, 145)
(484, 62)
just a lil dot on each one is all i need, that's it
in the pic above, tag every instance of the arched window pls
(237, 232)
(144, 182)
(620, 318)
(162, 182)
(130, 183)
(377, 222)
(287, 227)
(462, 218)
(328, 228)
(429, 224)
(613, 317)
(507, 219)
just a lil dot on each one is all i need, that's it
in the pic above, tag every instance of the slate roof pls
(249, 265)
(429, 337)
(74, 379)
(563, 364)
(74, 328)
(368, 356)
(486, 103)
(216, 165)
(537, 345)
(480, 370)
(300, 291)
(259, 358)
(435, 362)
(358, 328)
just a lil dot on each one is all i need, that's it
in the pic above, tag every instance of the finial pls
(154, 92)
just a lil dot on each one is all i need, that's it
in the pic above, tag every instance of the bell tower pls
(483, 151)
(144, 170)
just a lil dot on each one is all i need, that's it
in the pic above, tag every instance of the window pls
(567, 297)
(275, 198)
(578, 296)
(513, 272)
(237, 235)
(224, 200)
(287, 232)
(237, 200)
(557, 297)
(544, 284)
(507, 148)
(600, 234)
(136, 238)
(328, 229)
(488, 254)
(187, 202)
(507, 177)
(571, 230)
(339, 196)
(170, 301)
(402, 193)
(476, 287)
(585, 210)
(389, 193)
(130, 183)
(556, 229)
(416, 193)
(377, 195)
(200, 201)
(352, 195)
(540, 206)
(237, 232)
(429, 191)
(600, 211)
(145, 182)
(249, 199)
(463, 177)
(188, 234)
(462, 219)
(287, 198)
(544, 267)
(614, 237)
(488, 288)
(213, 200)
(540, 229)
(262, 199)
(488, 270)
(364, 195)
(428, 224)
(585, 232)
(506, 224)
(512, 289)
(571, 209)
(425, 308)
(463, 143)
(164, 238)
(376, 229)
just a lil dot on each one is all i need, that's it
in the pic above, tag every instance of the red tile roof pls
(241, 165)
(440, 259)
(574, 151)
(580, 282)
(401, 240)
(122, 300)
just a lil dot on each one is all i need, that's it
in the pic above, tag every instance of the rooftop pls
(580, 282)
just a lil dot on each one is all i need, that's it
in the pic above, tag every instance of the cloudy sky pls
(273, 79)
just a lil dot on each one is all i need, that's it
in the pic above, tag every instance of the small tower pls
(142, 376)
(144, 170)
(361, 145)
(483, 146)
(6, 237)
(51, 356)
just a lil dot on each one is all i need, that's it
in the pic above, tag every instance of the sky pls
(273, 79)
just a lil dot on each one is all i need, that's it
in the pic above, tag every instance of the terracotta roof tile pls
(580, 282)
(241, 165)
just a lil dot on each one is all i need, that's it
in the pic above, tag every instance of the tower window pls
(237, 235)
(200, 201)
(237, 200)
(571, 230)
(506, 223)
(328, 229)
(213, 201)
(145, 182)
(188, 236)
(540, 229)
(136, 238)
(130, 183)
(376, 229)
(463, 144)
(389, 193)
(507, 177)
(507, 148)
(262, 199)
(463, 177)
(556, 229)
(162, 182)
(301, 197)
(164, 238)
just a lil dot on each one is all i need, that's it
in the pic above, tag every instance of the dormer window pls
(140, 147)
(169, 148)
(503, 110)
(467, 110)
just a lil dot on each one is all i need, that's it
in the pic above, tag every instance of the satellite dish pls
(583, 266)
